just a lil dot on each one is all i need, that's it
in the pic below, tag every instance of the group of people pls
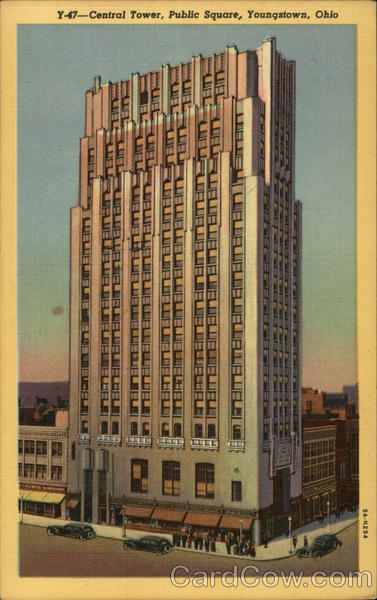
(206, 540)
(240, 546)
(196, 539)
(295, 541)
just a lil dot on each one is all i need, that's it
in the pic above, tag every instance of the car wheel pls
(299, 556)
(81, 537)
(166, 549)
(50, 531)
(317, 556)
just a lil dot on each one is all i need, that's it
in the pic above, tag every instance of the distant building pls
(312, 401)
(352, 393)
(334, 399)
(42, 467)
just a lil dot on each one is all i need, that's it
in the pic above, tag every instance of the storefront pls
(44, 502)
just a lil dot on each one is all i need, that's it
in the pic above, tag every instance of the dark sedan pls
(80, 531)
(323, 544)
(149, 543)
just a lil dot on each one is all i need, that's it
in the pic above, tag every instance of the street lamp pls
(241, 523)
(22, 508)
(328, 515)
(290, 533)
(124, 521)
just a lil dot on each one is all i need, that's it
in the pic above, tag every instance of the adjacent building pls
(42, 467)
(185, 335)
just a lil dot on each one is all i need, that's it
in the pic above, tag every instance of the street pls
(45, 556)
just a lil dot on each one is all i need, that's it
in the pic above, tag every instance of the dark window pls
(104, 427)
(42, 448)
(211, 430)
(204, 480)
(236, 491)
(146, 429)
(19, 446)
(56, 448)
(144, 98)
(73, 451)
(198, 430)
(133, 428)
(115, 428)
(236, 432)
(177, 430)
(139, 475)
(171, 475)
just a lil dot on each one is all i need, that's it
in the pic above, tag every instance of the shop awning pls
(138, 511)
(233, 522)
(72, 503)
(44, 497)
(166, 514)
(202, 519)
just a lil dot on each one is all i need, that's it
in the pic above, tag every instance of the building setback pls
(185, 351)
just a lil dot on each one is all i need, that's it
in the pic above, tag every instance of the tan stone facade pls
(42, 469)
(185, 368)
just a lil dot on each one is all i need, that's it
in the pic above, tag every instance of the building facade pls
(185, 351)
(319, 469)
(42, 468)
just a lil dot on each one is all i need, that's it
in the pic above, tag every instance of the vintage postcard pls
(188, 299)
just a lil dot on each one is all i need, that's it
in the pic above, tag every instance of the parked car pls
(149, 543)
(323, 544)
(75, 530)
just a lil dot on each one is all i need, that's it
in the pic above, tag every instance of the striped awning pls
(166, 514)
(138, 511)
(202, 519)
(235, 522)
(44, 497)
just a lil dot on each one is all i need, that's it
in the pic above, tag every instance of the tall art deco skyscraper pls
(185, 352)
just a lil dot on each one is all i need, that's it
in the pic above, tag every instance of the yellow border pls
(360, 12)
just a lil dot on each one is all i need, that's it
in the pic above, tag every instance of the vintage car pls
(149, 543)
(82, 531)
(323, 544)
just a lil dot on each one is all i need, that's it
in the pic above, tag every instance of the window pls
(165, 429)
(139, 476)
(73, 451)
(171, 475)
(56, 448)
(56, 473)
(198, 430)
(19, 446)
(177, 430)
(145, 428)
(342, 469)
(211, 430)
(29, 470)
(41, 471)
(104, 427)
(115, 428)
(236, 432)
(236, 491)
(41, 449)
(204, 480)
(133, 428)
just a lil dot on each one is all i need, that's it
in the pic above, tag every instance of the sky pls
(56, 65)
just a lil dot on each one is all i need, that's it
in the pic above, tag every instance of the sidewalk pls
(277, 548)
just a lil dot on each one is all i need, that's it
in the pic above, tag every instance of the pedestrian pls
(252, 550)
(294, 540)
(213, 545)
(196, 540)
(189, 541)
(184, 539)
(266, 542)
(206, 543)
(200, 538)
(228, 543)
(305, 541)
